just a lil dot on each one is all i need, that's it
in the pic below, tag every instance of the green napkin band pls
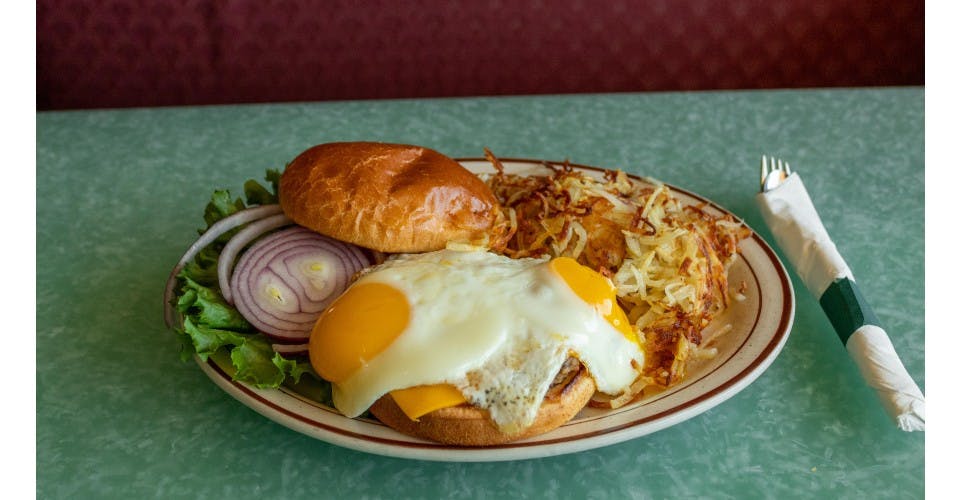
(846, 308)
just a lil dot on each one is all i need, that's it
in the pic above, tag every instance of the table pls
(120, 195)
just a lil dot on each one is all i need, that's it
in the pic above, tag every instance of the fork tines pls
(775, 167)
(775, 164)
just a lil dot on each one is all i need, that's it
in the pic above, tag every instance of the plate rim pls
(260, 400)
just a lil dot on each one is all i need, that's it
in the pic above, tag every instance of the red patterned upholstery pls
(114, 53)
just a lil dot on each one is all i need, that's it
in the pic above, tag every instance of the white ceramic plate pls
(761, 324)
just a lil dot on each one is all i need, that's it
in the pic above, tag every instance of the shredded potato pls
(668, 260)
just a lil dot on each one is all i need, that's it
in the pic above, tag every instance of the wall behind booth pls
(123, 53)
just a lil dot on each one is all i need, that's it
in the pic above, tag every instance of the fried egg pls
(442, 328)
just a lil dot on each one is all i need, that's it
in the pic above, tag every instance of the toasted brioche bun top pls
(387, 197)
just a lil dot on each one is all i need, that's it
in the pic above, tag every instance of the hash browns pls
(668, 260)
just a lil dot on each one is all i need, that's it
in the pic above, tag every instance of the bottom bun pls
(467, 425)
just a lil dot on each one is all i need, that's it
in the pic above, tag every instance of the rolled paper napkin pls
(791, 216)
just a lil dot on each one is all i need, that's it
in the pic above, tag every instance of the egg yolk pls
(596, 291)
(357, 327)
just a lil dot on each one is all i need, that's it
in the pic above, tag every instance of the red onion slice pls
(209, 236)
(240, 240)
(283, 282)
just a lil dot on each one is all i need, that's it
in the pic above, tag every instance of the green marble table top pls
(120, 195)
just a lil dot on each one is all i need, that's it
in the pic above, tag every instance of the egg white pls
(497, 328)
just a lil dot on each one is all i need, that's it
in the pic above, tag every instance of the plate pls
(760, 327)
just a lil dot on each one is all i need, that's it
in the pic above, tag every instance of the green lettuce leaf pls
(212, 326)
(257, 194)
(203, 268)
(221, 205)
(208, 340)
(256, 361)
(208, 308)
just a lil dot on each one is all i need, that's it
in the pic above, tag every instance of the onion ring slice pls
(240, 240)
(209, 236)
(284, 281)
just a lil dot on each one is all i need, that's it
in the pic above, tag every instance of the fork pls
(789, 213)
(780, 170)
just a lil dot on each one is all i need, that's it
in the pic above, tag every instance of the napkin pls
(791, 216)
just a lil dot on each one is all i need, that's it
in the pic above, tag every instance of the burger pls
(427, 326)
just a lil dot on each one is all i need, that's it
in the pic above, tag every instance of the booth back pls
(121, 53)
